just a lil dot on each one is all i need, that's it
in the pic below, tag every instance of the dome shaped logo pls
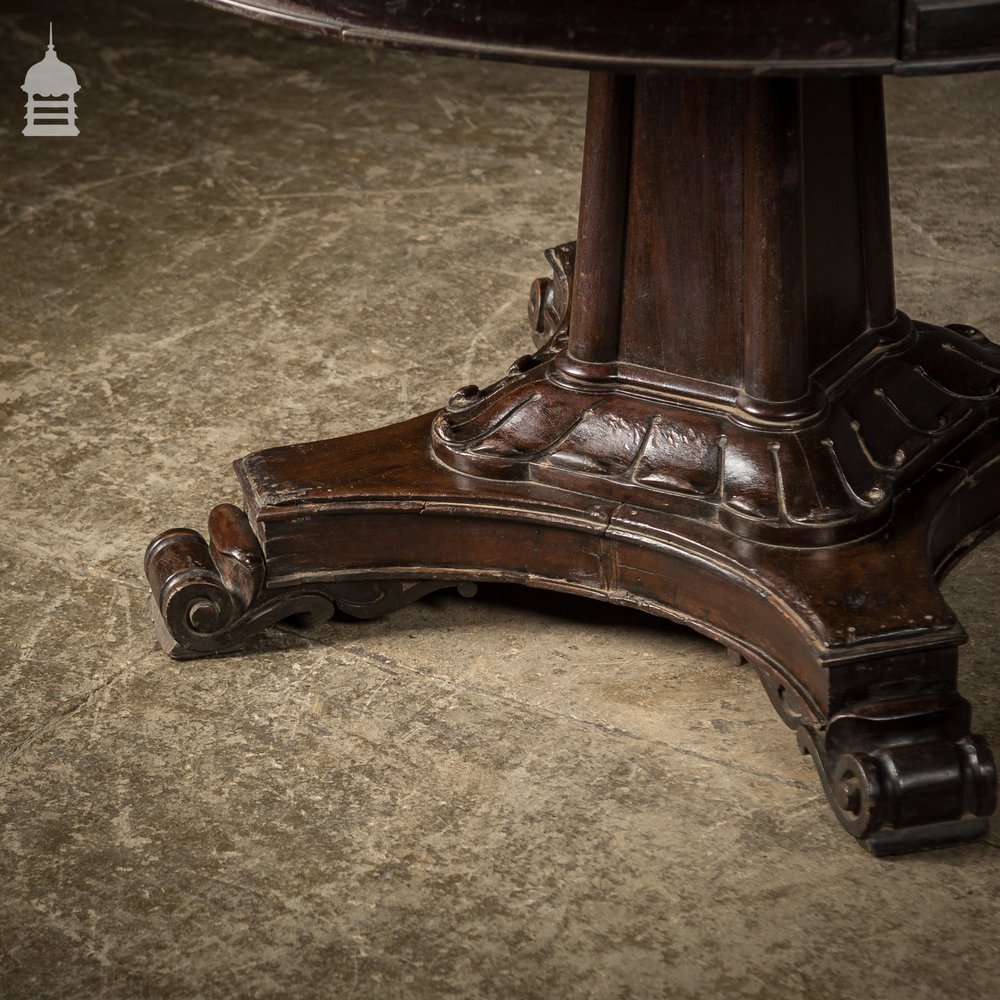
(51, 87)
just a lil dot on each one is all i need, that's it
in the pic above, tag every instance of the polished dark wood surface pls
(725, 421)
(709, 36)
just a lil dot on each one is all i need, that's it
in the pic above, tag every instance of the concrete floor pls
(260, 237)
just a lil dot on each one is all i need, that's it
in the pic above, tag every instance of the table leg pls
(725, 422)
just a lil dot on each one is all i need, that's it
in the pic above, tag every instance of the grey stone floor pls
(260, 237)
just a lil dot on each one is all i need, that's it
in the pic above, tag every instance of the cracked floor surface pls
(261, 237)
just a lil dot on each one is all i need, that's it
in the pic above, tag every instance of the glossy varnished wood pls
(673, 294)
(603, 219)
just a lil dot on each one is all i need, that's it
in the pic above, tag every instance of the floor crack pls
(81, 702)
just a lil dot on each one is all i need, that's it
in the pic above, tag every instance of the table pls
(725, 419)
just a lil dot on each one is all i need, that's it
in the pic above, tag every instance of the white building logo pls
(51, 88)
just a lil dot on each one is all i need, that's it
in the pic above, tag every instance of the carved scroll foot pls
(211, 597)
(907, 775)
(902, 775)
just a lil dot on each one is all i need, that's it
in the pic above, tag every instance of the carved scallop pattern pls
(829, 480)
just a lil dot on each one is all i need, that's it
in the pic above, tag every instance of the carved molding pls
(823, 480)
(550, 299)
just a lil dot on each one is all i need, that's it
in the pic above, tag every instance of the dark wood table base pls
(725, 422)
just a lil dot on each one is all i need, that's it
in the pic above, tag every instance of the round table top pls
(700, 36)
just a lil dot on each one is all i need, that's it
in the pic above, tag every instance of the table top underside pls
(778, 37)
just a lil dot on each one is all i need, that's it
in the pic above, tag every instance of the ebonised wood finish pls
(725, 421)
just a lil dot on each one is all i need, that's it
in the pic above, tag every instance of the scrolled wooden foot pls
(210, 597)
(906, 775)
(206, 596)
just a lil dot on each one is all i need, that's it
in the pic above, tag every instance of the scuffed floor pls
(260, 237)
